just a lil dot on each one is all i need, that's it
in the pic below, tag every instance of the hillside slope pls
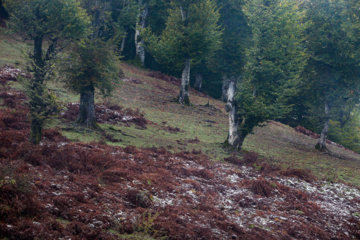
(160, 172)
(61, 189)
(201, 127)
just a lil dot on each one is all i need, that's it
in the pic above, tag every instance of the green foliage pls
(10, 179)
(124, 14)
(50, 104)
(347, 134)
(144, 228)
(51, 18)
(195, 36)
(236, 37)
(90, 63)
(274, 62)
(58, 21)
(332, 70)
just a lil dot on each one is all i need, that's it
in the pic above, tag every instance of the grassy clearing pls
(283, 145)
(200, 127)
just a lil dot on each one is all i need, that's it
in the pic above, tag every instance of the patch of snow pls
(127, 118)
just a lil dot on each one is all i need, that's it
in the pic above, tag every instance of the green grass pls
(276, 142)
(283, 145)
(12, 50)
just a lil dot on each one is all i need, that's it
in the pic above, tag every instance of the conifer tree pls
(332, 71)
(92, 63)
(231, 58)
(192, 34)
(274, 61)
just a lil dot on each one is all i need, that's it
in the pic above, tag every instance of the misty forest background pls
(295, 61)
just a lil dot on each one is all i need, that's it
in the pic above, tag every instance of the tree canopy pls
(56, 21)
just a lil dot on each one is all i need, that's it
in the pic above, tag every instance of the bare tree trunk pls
(122, 46)
(234, 139)
(141, 24)
(183, 97)
(321, 145)
(225, 87)
(87, 108)
(198, 81)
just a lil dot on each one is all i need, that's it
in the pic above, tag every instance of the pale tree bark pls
(183, 97)
(321, 145)
(225, 87)
(87, 108)
(123, 42)
(140, 25)
(234, 139)
(198, 81)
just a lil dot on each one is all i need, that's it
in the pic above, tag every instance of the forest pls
(168, 111)
(291, 61)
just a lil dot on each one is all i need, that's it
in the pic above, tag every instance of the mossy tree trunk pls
(37, 103)
(183, 97)
(87, 107)
(321, 145)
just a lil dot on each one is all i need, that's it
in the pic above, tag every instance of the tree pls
(124, 14)
(140, 25)
(231, 58)
(57, 22)
(191, 35)
(3, 12)
(92, 63)
(274, 62)
(332, 70)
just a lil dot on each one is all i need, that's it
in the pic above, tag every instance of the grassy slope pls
(276, 142)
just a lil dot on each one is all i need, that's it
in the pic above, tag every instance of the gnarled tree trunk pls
(140, 25)
(183, 97)
(87, 108)
(321, 145)
(234, 139)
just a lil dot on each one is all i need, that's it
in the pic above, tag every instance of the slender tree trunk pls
(87, 108)
(122, 46)
(321, 145)
(183, 97)
(198, 81)
(37, 93)
(140, 25)
(234, 139)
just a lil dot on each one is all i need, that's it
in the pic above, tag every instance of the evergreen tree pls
(55, 21)
(191, 35)
(332, 71)
(92, 63)
(274, 61)
(231, 58)
(124, 14)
